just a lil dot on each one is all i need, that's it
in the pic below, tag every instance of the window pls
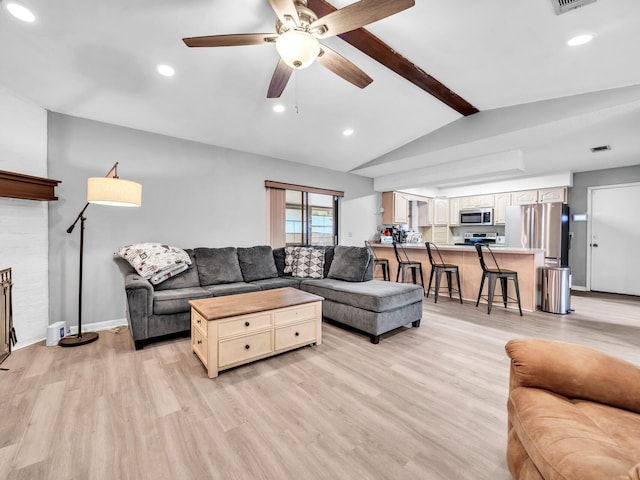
(302, 215)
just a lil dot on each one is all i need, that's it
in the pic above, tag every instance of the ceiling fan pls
(298, 30)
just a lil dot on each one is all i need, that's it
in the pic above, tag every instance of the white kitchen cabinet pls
(503, 200)
(440, 211)
(396, 208)
(454, 211)
(549, 195)
(524, 197)
(478, 201)
(543, 195)
(440, 234)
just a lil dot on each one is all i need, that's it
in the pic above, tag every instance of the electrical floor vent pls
(564, 6)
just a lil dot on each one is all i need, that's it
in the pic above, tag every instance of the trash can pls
(556, 290)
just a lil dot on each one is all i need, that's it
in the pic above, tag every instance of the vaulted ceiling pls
(542, 104)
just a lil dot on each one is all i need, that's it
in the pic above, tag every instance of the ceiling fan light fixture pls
(297, 48)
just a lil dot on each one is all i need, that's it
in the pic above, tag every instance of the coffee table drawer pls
(295, 314)
(297, 334)
(199, 322)
(244, 324)
(199, 345)
(244, 348)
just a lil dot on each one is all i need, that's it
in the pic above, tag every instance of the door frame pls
(590, 191)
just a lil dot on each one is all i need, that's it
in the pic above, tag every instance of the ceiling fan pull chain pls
(295, 74)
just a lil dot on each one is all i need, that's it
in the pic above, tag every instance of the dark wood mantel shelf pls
(18, 185)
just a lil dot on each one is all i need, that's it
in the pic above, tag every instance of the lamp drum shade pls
(114, 192)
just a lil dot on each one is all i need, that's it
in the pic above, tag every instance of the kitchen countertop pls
(443, 246)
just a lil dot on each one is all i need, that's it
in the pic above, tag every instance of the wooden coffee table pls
(237, 329)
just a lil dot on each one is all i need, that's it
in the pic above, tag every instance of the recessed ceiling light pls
(348, 132)
(20, 12)
(278, 108)
(166, 70)
(580, 40)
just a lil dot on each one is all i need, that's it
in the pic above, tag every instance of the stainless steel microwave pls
(476, 216)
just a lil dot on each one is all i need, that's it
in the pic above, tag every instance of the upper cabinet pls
(396, 208)
(454, 211)
(544, 195)
(503, 200)
(477, 201)
(440, 211)
(550, 195)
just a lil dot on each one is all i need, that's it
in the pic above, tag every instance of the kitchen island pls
(525, 261)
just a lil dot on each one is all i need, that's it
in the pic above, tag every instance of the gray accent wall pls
(578, 198)
(193, 195)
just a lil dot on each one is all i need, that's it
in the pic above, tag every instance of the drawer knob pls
(247, 347)
(246, 324)
(297, 334)
(199, 342)
(199, 321)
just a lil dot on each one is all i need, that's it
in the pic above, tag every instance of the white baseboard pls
(92, 327)
(580, 288)
(96, 327)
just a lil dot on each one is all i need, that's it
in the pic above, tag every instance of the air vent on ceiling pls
(563, 6)
(601, 148)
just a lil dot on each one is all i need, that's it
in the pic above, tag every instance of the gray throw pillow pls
(350, 264)
(257, 263)
(218, 265)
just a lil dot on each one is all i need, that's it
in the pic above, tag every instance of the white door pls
(613, 245)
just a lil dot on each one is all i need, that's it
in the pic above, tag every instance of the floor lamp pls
(107, 190)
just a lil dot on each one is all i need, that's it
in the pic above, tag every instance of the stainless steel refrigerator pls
(541, 225)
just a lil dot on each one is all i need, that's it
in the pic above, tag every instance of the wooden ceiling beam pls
(372, 46)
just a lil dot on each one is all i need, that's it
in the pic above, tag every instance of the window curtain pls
(276, 214)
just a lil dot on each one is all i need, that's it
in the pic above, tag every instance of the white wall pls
(193, 195)
(24, 223)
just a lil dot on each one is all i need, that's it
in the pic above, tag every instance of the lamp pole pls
(87, 337)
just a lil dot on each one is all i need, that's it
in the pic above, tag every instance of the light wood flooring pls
(426, 403)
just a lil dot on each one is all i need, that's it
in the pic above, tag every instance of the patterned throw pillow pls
(309, 263)
(149, 259)
(290, 254)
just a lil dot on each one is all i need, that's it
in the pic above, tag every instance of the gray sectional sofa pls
(351, 296)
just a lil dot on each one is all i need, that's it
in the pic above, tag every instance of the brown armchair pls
(574, 413)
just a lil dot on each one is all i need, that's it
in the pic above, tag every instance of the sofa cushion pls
(574, 438)
(176, 300)
(278, 282)
(223, 289)
(350, 264)
(218, 265)
(257, 263)
(186, 279)
(374, 295)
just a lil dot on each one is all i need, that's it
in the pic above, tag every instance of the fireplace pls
(7, 333)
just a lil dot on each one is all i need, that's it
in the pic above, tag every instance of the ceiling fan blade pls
(231, 40)
(357, 15)
(279, 79)
(343, 68)
(285, 9)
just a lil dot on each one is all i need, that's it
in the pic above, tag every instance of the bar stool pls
(383, 262)
(404, 263)
(494, 274)
(438, 267)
